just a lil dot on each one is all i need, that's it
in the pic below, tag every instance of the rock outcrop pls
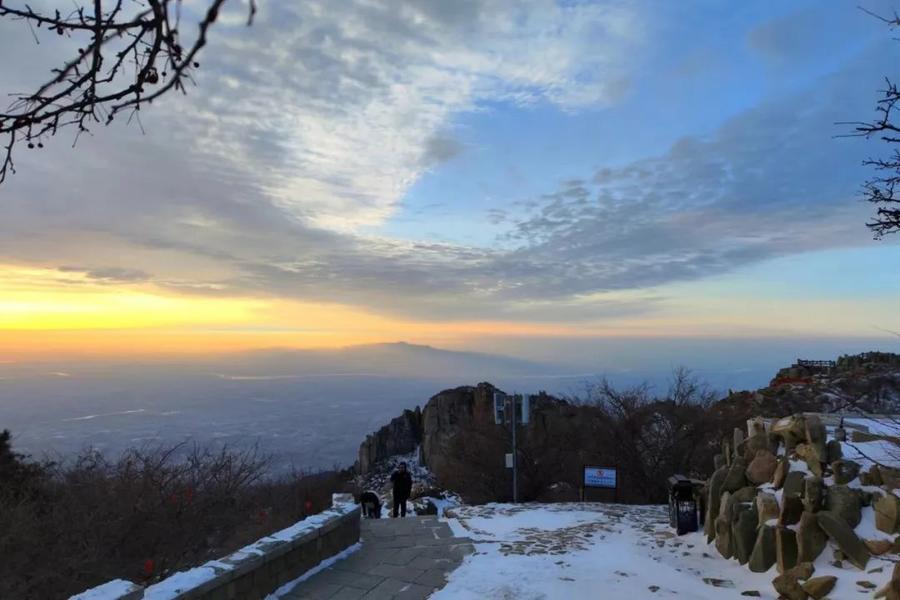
(823, 494)
(401, 436)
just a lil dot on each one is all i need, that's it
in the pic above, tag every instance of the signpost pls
(600, 477)
(512, 410)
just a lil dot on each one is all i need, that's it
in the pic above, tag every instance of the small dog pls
(371, 505)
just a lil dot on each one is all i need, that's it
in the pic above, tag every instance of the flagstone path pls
(404, 559)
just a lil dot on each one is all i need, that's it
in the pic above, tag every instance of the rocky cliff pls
(401, 436)
(463, 447)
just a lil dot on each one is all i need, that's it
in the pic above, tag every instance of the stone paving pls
(405, 558)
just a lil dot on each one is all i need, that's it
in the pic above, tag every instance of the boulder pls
(879, 547)
(755, 443)
(833, 451)
(791, 509)
(791, 430)
(737, 439)
(714, 501)
(819, 587)
(762, 467)
(743, 531)
(844, 538)
(744, 495)
(887, 513)
(785, 549)
(781, 472)
(891, 590)
(812, 458)
(794, 483)
(735, 479)
(788, 583)
(890, 477)
(845, 502)
(816, 437)
(767, 507)
(813, 494)
(844, 471)
(871, 477)
(723, 527)
(756, 426)
(718, 461)
(763, 556)
(811, 540)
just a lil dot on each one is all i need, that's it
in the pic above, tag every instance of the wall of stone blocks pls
(256, 571)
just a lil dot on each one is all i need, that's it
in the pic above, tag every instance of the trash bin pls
(682, 505)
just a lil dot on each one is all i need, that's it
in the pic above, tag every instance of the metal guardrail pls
(830, 364)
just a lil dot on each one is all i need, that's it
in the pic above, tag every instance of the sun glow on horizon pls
(46, 312)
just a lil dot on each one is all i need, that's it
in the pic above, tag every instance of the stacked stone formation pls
(748, 523)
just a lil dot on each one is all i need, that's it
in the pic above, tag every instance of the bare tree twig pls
(883, 188)
(133, 54)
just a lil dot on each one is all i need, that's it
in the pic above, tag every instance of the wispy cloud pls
(318, 119)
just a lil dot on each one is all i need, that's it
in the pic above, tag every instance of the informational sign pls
(509, 460)
(600, 477)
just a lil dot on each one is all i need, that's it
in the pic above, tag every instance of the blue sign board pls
(600, 477)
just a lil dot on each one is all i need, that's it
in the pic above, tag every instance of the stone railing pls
(255, 571)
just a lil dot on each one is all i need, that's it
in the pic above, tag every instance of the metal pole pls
(515, 454)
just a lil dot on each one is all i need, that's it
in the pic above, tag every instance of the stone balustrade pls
(257, 570)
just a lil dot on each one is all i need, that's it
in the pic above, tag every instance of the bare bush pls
(147, 514)
(649, 438)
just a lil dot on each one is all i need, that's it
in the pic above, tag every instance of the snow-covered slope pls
(613, 552)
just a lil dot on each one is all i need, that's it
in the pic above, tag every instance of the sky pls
(496, 175)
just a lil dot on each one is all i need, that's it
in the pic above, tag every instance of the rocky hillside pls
(649, 438)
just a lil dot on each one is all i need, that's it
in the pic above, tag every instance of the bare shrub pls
(147, 514)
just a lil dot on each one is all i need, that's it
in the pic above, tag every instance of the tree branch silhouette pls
(883, 188)
(132, 54)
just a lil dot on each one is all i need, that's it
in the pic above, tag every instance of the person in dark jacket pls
(402, 481)
(371, 505)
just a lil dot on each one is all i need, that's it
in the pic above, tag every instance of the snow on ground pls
(614, 552)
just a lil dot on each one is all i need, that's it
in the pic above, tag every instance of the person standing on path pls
(402, 481)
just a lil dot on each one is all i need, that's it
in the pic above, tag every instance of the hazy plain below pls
(311, 409)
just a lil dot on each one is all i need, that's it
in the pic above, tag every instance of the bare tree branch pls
(133, 55)
(883, 188)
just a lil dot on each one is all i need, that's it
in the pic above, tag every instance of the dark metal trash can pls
(682, 505)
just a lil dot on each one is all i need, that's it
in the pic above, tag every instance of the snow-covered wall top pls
(342, 518)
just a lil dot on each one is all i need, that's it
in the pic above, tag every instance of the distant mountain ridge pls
(398, 359)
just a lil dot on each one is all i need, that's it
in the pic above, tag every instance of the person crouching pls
(371, 505)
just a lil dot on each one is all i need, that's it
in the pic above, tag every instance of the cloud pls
(315, 122)
(440, 149)
(811, 33)
(314, 88)
(109, 274)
